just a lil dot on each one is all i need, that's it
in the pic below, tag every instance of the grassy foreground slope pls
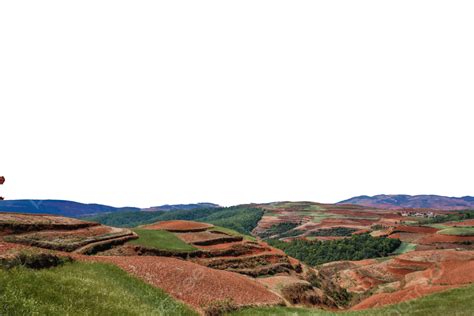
(82, 289)
(453, 302)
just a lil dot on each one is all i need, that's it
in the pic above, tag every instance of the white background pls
(149, 102)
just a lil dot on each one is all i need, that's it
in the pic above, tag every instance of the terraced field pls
(59, 233)
(404, 277)
(314, 221)
(14, 223)
(431, 237)
(458, 231)
(179, 226)
(312, 217)
(212, 269)
(210, 246)
(458, 301)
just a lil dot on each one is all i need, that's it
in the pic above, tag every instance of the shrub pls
(279, 229)
(218, 308)
(33, 260)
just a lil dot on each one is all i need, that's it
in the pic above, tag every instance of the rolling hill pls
(76, 209)
(399, 201)
(182, 267)
(59, 207)
(174, 207)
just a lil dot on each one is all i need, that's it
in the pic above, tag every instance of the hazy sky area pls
(144, 103)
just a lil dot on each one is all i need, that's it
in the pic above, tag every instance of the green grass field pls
(82, 289)
(160, 239)
(459, 302)
(458, 231)
(438, 226)
(318, 216)
(405, 247)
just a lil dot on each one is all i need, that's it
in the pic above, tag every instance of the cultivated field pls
(60, 233)
(214, 269)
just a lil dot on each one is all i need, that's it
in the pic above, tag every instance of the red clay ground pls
(415, 229)
(19, 223)
(70, 240)
(440, 238)
(427, 237)
(404, 277)
(207, 237)
(311, 216)
(39, 219)
(227, 245)
(6, 247)
(382, 299)
(179, 226)
(59, 233)
(76, 234)
(391, 280)
(194, 284)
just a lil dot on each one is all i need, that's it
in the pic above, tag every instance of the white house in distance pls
(406, 213)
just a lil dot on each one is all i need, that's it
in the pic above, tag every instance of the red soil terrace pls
(467, 222)
(179, 226)
(40, 219)
(194, 284)
(407, 276)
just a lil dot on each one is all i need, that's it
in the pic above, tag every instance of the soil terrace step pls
(73, 240)
(269, 269)
(179, 226)
(207, 238)
(95, 247)
(244, 262)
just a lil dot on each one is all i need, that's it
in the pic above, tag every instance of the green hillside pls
(240, 218)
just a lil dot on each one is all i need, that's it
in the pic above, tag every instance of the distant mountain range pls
(399, 201)
(174, 207)
(75, 209)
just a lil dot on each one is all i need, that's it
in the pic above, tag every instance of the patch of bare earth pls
(70, 240)
(428, 237)
(179, 226)
(207, 238)
(382, 299)
(15, 223)
(57, 233)
(404, 277)
(194, 284)
(467, 222)
(6, 247)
